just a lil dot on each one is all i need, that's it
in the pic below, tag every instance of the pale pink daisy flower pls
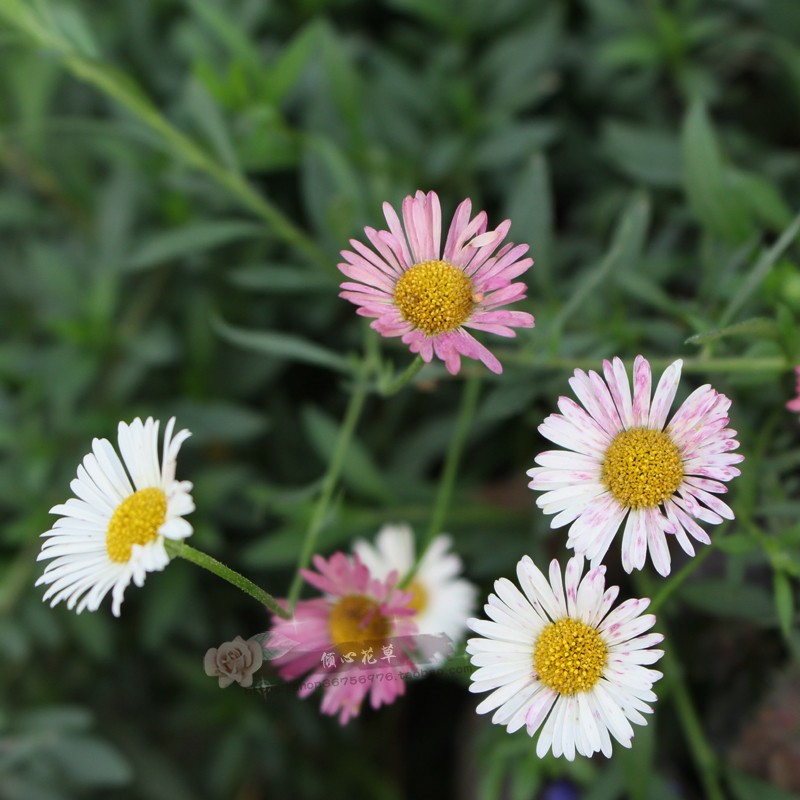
(554, 649)
(430, 297)
(794, 405)
(622, 462)
(352, 641)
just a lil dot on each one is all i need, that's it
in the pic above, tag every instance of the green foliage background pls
(178, 178)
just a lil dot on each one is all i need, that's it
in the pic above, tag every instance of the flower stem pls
(704, 758)
(469, 402)
(351, 417)
(702, 753)
(675, 581)
(691, 364)
(183, 550)
(393, 386)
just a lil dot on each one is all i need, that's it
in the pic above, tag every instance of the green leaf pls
(530, 206)
(197, 237)
(238, 43)
(624, 251)
(73, 28)
(761, 269)
(360, 471)
(745, 787)
(282, 345)
(210, 120)
(727, 599)
(91, 762)
(762, 197)
(708, 190)
(331, 188)
(56, 718)
(784, 601)
(736, 544)
(346, 85)
(218, 421)
(274, 278)
(644, 154)
(283, 75)
(636, 50)
(637, 764)
(755, 328)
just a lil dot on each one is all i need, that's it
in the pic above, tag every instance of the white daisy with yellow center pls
(554, 658)
(112, 532)
(441, 599)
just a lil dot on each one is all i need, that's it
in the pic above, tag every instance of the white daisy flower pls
(442, 600)
(113, 530)
(561, 653)
(622, 461)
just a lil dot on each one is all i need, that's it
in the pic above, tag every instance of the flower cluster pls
(554, 654)
(366, 633)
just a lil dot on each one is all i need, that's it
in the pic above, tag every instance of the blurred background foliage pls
(178, 177)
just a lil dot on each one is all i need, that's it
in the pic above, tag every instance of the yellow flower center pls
(642, 468)
(434, 296)
(356, 618)
(419, 597)
(569, 656)
(136, 521)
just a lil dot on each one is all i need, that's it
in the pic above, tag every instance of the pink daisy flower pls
(429, 297)
(794, 405)
(351, 641)
(622, 464)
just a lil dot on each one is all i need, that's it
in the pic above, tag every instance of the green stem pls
(183, 550)
(690, 364)
(352, 415)
(400, 381)
(704, 758)
(703, 755)
(469, 402)
(120, 88)
(675, 581)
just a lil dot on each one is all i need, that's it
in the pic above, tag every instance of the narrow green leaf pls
(275, 278)
(331, 188)
(359, 472)
(762, 197)
(346, 86)
(279, 78)
(90, 762)
(282, 345)
(784, 601)
(644, 154)
(219, 24)
(210, 120)
(624, 252)
(708, 190)
(755, 328)
(727, 599)
(789, 333)
(746, 787)
(73, 28)
(637, 764)
(530, 206)
(191, 239)
(218, 421)
(761, 269)
(736, 544)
